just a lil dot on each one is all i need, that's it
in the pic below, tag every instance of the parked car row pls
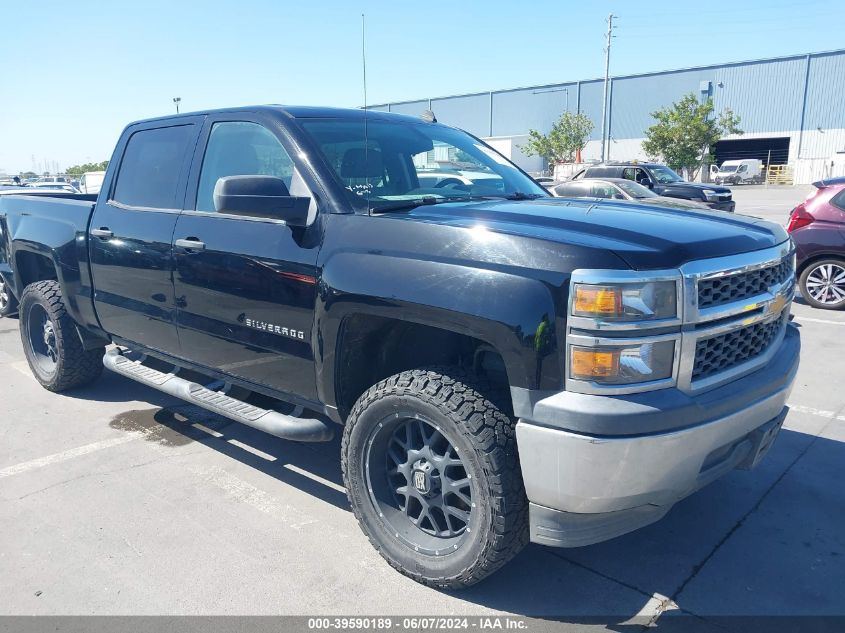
(89, 182)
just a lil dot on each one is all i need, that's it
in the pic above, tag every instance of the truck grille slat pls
(718, 353)
(721, 290)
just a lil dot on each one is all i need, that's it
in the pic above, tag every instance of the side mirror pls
(260, 197)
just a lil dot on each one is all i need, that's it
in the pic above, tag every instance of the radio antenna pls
(364, 67)
(364, 57)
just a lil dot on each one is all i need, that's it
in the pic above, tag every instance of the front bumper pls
(586, 487)
(727, 205)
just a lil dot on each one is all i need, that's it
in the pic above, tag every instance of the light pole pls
(177, 100)
(606, 82)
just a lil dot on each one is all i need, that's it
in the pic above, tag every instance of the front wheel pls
(822, 284)
(50, 341)
(432, 473)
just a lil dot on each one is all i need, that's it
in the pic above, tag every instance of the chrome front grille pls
(724, 351)
(718, 291)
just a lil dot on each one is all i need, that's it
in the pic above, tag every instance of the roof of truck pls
(297, 112)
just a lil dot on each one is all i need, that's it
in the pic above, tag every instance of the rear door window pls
(150, 171)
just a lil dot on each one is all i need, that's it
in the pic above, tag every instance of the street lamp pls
(176, 100)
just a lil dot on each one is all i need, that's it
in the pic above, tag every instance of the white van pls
(747, 171)
(91, 181)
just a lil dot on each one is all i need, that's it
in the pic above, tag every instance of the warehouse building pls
(792, 111)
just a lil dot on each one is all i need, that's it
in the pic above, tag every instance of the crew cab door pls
(246, 286)
(131, 232)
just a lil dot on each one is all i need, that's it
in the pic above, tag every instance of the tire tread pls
(459, 395)
(78, 366)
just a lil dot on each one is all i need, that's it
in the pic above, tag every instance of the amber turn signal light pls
(597, 300)
(590, 363)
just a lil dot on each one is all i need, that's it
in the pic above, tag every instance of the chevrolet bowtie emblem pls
(776, 304)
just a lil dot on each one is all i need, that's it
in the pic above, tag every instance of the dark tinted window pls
(602, 172)
(240, 148)
(839, 200)
(151, 165)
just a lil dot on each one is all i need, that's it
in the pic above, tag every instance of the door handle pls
(103, 232)
(190, 244)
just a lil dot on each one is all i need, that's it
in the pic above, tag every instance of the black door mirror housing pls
(260, 197)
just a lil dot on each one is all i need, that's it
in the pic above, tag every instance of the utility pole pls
(606, 84)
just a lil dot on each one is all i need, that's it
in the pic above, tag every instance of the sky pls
(74, 74)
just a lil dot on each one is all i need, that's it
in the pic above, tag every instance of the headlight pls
(622, 365)
(710, 195)
(623, 302)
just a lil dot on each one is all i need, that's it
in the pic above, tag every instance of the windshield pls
(664, 175)
(727, 168)
(635, 190)
(411, 162)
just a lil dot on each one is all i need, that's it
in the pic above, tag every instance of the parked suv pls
(664, 182)
(817, 226)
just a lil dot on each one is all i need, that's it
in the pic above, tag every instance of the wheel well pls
(817, 258)
(33, 267)
(372, 348)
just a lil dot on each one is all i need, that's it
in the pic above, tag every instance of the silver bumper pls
(587, 488)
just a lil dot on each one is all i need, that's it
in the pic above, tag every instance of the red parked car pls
(817, 226)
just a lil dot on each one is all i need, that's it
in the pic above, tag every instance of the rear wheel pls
(50, 341)
(8, 303)
(822, 284)
(431, 470)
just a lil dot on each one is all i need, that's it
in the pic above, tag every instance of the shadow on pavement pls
(766, 542)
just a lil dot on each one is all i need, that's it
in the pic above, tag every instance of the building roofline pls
(840, 51)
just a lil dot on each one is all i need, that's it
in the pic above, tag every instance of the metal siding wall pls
(767, 96)
(591, 97)
(471, 113)
(635, 98)
(517, 111)
(826, 93)
(412, 108)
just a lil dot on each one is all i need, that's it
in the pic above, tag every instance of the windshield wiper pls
(405, 205)
(520, 195)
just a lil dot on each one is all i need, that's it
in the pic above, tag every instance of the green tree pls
(568, 136)
(78, 170)
(685, 132)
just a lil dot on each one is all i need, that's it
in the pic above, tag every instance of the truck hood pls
(645, 237)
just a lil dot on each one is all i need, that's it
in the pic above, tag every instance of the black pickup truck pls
(664, 182)
(506, 366)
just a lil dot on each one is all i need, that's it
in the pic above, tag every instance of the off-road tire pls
(74, 366)
(456, 401)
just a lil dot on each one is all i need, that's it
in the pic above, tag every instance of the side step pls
(272, 422)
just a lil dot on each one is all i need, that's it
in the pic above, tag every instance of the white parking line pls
(830, 415)
(64, 456)
(812, 320)
(317, 478)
